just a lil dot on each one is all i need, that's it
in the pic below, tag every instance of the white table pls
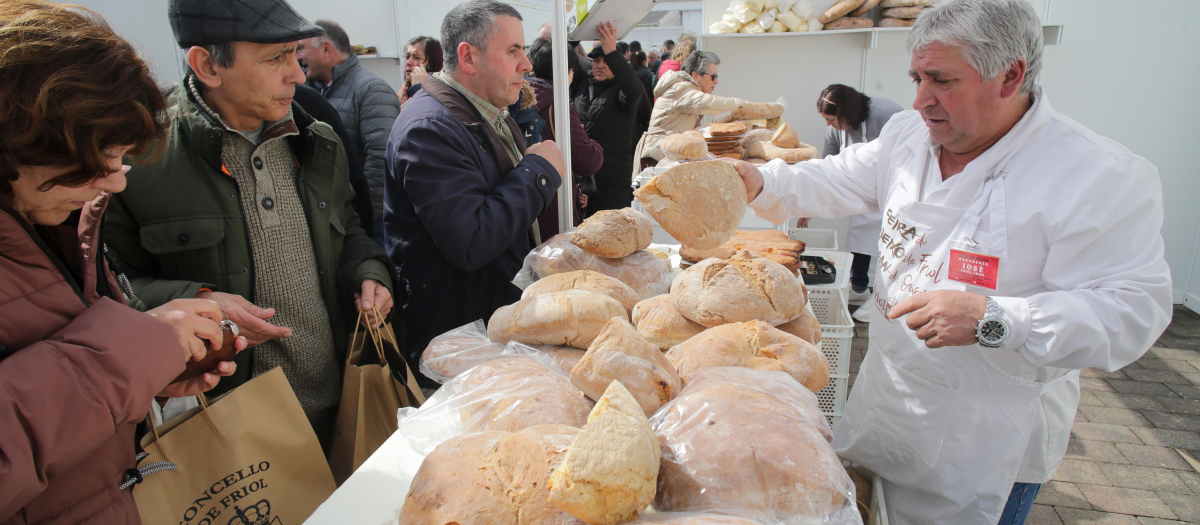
(374, 494)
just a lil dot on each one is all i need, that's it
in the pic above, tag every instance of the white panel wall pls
(144, 24)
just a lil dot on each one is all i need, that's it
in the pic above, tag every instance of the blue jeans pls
(1020, 502)
(859, 271)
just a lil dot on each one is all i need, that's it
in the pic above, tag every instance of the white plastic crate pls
(815, 239)
(833, 420)
(837, 328)
(832, 398)
(841, 262)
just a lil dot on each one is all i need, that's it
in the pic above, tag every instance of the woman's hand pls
(194, 322)
(205, 382)
(418, 75)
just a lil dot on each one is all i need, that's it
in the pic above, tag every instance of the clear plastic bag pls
(767, 18)
(804, 9)
(508, 393)
(715, 517)
(754, 442)
(461, 349)
(643, 271)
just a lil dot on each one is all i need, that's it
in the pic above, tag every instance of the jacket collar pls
(340, 70)
(465, 112)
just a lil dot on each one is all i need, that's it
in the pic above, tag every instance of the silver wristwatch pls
(992, 329)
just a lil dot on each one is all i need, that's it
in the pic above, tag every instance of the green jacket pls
(178, 226)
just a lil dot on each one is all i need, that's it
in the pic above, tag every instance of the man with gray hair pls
(367, 104)
(1018, 247)
(463, 191)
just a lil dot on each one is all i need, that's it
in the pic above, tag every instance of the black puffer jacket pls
(368, 106)
(608, 110)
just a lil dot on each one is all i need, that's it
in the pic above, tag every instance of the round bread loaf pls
(494, 477)
(757, 110)
(865, 8)
(756, 135)
(660, 323)
(647, 274)
(584, 280)
(620, 353)
(572, 318)
(786, 137)
(732, 446)
(908, 13)
(897, 22)
(614, 233)
(850, 22)
(755, 345)
(767, 150)
(564, 356)
(806, 327)
(700, 204)
(743, 287)
(514, 393)
(840, 9)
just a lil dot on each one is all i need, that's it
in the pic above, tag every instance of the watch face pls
(992, 332)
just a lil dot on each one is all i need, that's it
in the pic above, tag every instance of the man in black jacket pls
(607, 108)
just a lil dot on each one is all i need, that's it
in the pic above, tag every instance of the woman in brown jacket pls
(78, 368)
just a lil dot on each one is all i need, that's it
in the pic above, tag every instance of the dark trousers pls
(1020, 502)
(859, 271)
(609, 199)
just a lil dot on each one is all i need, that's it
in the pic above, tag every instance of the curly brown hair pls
(70, 91)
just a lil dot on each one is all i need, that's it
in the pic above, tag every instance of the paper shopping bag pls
(248, 458)
(371, 395)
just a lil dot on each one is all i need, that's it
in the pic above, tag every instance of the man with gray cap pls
(250, 205)
(367, 104)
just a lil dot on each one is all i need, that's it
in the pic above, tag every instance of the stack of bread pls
(770, 244)
(611, 242)
(854, 14)
(902, 13)
(724, 139)
(766, 16)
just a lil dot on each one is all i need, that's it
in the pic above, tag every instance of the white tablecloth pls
(374, 494)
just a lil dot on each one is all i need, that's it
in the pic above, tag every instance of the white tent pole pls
(562, 112)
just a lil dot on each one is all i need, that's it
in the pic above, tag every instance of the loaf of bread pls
(584, 280)
(609, 474)
(514, 393)
(906, 3)
(660, 323)
(757, 110)
(786, 137)
(494, 477)
(907, 13)
(755, 345)
(647, 274)
(740, 288)
(614, 233)
(737, 446)
(456, 351)
(620, 353)
(897, 22)
(724, 130)
(838, 10)
(768, 244)
(769, 151)
(806, 327)
(756, 135)
(684, 146)
(780, 387)
(691, 518)
(700, 204)
(572, 318)
(850, 22)
(866, 7)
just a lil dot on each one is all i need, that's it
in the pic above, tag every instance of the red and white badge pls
(974, 268)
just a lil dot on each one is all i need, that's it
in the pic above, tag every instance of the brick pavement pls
(1121, 466)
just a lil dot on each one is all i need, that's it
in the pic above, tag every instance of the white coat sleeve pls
(1111, 287)
(832, 187)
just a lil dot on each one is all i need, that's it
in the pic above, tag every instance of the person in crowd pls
(422, 56)
(668, 48)
(643, 74)
(544, 31)
(311, 101)
(530, 123)
(366, 102)
(250, 206)
(623, 48)
(586, 154)
(998, 278)
(608, 109)
(655, 57)
(673, 61)
(463, 191)
(682, 99)
(852, 118)
(79, 369)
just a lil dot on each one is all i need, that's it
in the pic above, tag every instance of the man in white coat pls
(1017, 248)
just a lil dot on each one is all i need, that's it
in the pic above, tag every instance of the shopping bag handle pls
(385, 333)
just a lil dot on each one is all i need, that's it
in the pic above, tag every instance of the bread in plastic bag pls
(643, 271)
(792, 21)
(728, 18)
(751, 441)
(744, 13)
(498, 478)
(753, 27)
(508, 393)
(660, 323)
(621, 353)
(571, 317)
(784, 6)
(722, 28)
(467, 346)
(584, 280)
(755, 345)
(767, 18)
(692, 518)
(684, 146)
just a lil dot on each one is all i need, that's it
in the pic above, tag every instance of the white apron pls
(945, 428)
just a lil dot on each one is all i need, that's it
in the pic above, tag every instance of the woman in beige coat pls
(683, 97)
